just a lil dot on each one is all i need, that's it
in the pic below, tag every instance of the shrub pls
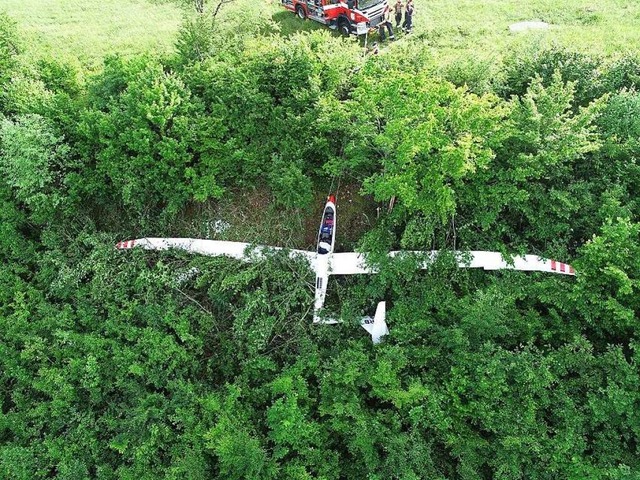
(521, 68)
(32, 163)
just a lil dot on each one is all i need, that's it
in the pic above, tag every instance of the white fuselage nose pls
(324, 249)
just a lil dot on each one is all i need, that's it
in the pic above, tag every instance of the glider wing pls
(353, 263)
(214, 248)
(349, 263)
(527, 263)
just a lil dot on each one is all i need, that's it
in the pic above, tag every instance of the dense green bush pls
(620, 73)
(523, 67)
(531, 193)
(33, 161)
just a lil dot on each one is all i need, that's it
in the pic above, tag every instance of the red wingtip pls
(332, 199)
(125, 244)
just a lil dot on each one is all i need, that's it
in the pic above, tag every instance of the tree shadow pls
(289, 23)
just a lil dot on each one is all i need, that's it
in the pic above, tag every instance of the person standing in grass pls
(397, 8)
(385, 21)
(408, 16)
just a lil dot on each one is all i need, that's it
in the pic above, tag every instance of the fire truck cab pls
(348, 16)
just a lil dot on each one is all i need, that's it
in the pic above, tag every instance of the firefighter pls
(408, 17)
(397, 8)
(385, 21)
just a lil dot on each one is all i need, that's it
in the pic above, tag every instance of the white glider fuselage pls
(324, 251)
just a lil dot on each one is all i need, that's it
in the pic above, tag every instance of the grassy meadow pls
(606, 26)
(88, 30)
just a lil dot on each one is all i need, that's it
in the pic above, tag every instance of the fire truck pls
(348, 16)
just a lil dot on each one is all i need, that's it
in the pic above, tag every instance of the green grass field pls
(88, 30)
(604, 26)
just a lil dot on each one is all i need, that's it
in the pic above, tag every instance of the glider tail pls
(376, 326)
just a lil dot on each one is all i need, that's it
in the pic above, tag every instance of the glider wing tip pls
(126, 244)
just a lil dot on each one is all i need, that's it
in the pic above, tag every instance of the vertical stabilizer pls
(376, 326)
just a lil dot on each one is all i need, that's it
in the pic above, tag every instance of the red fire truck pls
(348, 16)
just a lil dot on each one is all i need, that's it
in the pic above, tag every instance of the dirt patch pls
(253, 216)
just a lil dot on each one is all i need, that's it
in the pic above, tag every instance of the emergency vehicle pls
(349, 17)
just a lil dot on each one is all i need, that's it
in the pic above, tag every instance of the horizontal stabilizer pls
(377, 326)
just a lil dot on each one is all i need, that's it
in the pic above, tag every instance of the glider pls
(325, 262)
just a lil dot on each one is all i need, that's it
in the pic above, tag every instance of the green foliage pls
(580, 69)
(144, 141)
(477, 75)
(16, 248)
(289, 183)
(221, 33)
(26, 94)
(47, 87)
(414, 139)
(620, 130)
(9, 42)
(59, 77)
(33, 161)
(196, 39)
(535, 186)
(607, 285)
(118, 364)
(620, 73)
(263, 113)
(77, 362)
